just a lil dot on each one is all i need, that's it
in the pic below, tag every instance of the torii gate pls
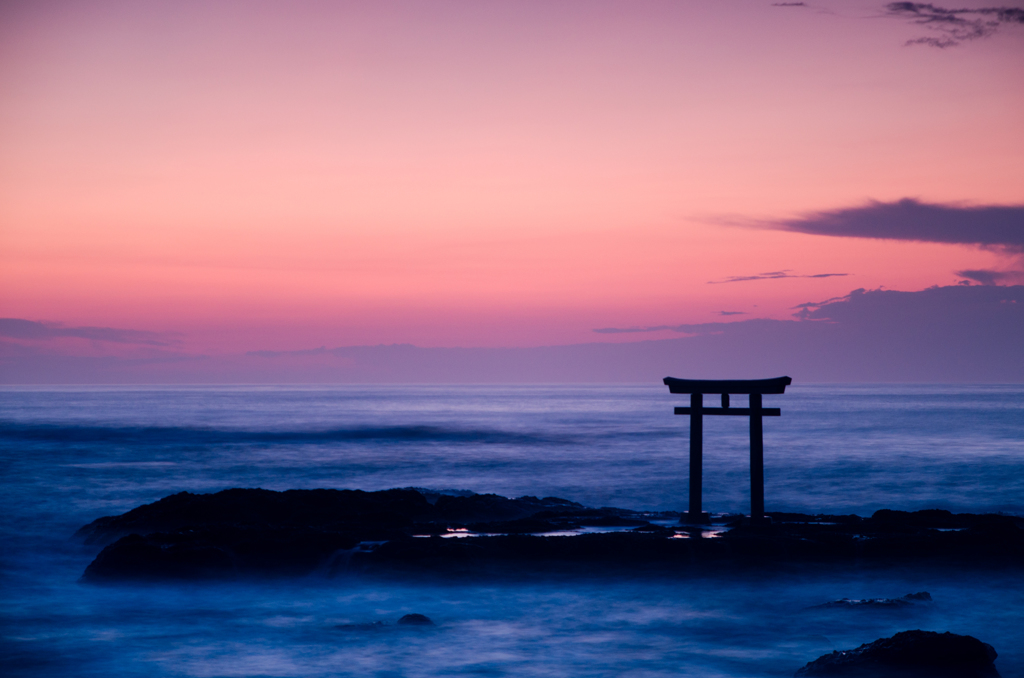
(697, 388)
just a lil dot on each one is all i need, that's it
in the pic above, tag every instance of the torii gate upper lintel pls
(755, 388)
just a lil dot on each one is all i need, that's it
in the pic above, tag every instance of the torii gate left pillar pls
(755, 388)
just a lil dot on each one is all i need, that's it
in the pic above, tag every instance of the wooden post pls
(756, 460)
(696, 456)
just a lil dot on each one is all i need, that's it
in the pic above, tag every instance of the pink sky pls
(284, 176)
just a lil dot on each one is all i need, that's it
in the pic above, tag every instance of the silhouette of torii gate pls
(755, 388)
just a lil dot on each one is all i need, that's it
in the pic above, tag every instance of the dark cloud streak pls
(954, 25)
(986, 276)
(908, 219)
(630, 330)
(773, 275)
(29, 330)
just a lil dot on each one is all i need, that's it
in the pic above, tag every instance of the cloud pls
(29, 330)
(789, 4)
(988, 277)
(997, 226)
(773, 275)
(279, 354)
(939, 335)
(627, 330)
(689, 328)
(954, 26)
(732, 313)
(964, 308)
(810, 304)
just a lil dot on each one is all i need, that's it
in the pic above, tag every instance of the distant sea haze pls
(965, 334)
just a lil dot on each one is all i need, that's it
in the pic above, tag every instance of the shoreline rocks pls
(910, 654)
(255, 532)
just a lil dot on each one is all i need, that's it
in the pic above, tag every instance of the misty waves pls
(70, 455)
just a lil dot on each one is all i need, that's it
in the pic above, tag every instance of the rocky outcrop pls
(218, 553)
(255, 532)
(330, 510)
(375, 515)
(910, 654)
(485, 508)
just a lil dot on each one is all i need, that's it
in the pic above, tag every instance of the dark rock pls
(433, 495)
(486, 508)
(603, 517)
(521, 526)
(628, 549)
(134, 557)
(318, 509)
(246, 532)
(905, 601)
(780, 517)
(415, 619)
(910, 654)
(216, 554)
(927, 518)
(938, 519)
(655, 529)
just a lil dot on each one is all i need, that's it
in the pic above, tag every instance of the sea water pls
(70, 455)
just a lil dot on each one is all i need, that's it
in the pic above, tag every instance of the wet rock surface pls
(255, 532)
(908, 600)
(910, 654)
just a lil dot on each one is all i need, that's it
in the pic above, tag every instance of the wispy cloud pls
(816, 304)
(30, 330)
(773, 275)
(688, 329)
(630, 330)
(278, 354)
(698, 328)
(954, 26)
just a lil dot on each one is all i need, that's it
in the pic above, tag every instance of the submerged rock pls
(904, 601)
(910, 654)
(416, 619)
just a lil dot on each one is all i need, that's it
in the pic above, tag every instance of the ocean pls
(70, 455)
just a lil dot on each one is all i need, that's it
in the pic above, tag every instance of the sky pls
(213, 179)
